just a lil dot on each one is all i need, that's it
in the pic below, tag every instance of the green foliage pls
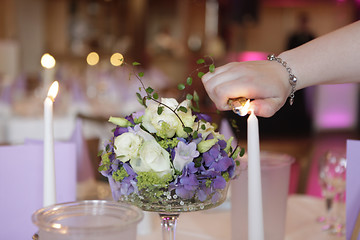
(151, 180)
(189, 96)
(149, 90)
(188, 129)
(208, 183)
(200, 61)
(226, 176)
(120, 174)
(166, 143)
(182, 109)
(242, 152)
(105, 161)
(200, 74)
(189, 81)
(181, 86)
(165, 128)
(211, 68)
(136, 64)
(160, 110)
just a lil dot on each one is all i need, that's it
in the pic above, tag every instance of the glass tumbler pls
(89, 219)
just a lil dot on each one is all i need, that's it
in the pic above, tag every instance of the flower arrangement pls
(169, 154)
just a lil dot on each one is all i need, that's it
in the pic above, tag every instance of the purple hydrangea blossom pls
(127, 186)
(216, 158)
(186, 184)
(202, 116)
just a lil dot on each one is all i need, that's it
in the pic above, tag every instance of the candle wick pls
(51, 98)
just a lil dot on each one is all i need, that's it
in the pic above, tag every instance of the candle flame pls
(48, 61)
(53, 90)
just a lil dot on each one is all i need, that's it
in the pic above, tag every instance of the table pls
(214, 224)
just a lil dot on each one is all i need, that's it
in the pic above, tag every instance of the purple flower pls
(202, 116)
(218, 159)
(120, 130)
(186, 184)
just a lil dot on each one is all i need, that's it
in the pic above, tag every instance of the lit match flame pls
(240, 106)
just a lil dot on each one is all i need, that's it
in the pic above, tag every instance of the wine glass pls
(169, 205)
(332, 176)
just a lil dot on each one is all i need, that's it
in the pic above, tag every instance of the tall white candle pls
(255, 209)
(49, 194)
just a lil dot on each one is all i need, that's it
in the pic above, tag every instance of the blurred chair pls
(21, 184)
(84, 167)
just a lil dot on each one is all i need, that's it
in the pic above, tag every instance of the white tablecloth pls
(215, 224)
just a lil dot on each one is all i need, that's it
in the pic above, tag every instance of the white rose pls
(127, 146)
(152, 121)
(187, 118)
(152, 157)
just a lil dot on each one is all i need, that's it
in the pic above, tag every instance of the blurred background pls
(166, 37)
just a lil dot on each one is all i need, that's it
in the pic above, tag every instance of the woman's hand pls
(265, 82)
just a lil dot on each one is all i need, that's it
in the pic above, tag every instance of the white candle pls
(49, 194)
(255, 209)
(92, 59)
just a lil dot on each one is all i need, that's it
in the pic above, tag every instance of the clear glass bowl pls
(160, 199)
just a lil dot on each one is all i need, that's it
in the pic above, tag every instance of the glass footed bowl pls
(161, 200)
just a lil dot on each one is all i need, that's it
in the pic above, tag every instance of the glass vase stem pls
(168, 225)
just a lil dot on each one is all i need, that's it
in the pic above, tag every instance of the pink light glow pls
(336, 107)
(247, 56)
(251, 56)
(336, 120)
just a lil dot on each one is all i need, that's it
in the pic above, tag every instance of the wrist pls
(292, 79)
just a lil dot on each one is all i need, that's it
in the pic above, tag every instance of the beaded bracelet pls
(292, 78)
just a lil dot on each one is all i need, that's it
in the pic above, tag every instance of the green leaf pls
(156, 96)
(139, 98)
(197, 162)
(189, 80)
(200, 74)
(195, 134)
(183, 109)
(196, 97)
(195, 109)
(237, 162)
(141, 74)
(149, 90)
(144, 101)
(212, 68)
(181, 86)
(200, 61)
(242, 152)
(160, 110)
(100, 153)
(136, 64)
(188, 129)
(189, 96)
(203, 127)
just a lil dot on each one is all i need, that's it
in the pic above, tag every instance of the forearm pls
(329, 59)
